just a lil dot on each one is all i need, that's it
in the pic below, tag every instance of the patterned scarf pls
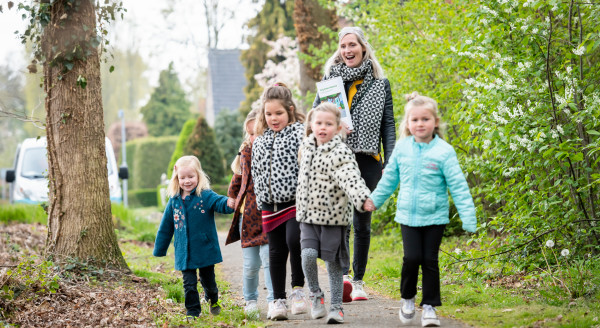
(367, 106)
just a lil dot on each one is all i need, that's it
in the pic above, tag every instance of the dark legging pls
(283, 240)
(421, 247)
(190, 287)
(370, 170)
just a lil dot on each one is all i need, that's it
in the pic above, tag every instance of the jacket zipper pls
(271, 169)
(415, 186)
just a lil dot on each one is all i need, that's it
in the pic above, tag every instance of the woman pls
(372, 111)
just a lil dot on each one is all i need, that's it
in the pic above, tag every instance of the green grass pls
(23, 213)
(160, 272)
(479, 301)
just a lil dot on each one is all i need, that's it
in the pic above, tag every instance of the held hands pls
(230, 202)
(369, 206)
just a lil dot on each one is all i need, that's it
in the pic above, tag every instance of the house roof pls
(227, 79)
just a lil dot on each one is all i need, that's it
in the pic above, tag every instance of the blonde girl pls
(189, 216)
(246, 224)
(329, 184)
(426, 167)
(279, 128)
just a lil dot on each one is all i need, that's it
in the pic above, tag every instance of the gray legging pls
(334, 271)
(370, 170)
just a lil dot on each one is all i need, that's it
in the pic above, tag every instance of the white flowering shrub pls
(518, 83)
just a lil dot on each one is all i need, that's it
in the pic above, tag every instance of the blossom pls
(457, 251)
(550, 243)
(468, 41)
(564, 252)
(486, 143)
(579, 51)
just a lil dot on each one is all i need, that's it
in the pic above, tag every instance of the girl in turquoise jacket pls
(425, 166)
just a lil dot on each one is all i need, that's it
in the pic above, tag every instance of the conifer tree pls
(272, 22)
(168, 109)
(203, 145)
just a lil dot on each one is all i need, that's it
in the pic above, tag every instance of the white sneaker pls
(317, 310)
(347, 289)
(429, 317)
(299, 302)
(270, 310)
(407, 310)
(251, 310)
(358, 293)
(279, 310)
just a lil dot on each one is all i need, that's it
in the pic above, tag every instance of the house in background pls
(226, 82)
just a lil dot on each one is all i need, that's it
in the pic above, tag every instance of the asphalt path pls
(378, 311)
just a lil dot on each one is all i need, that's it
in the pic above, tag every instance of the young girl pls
(248, 227)
(189, 216)
(279, 128)
(329, 184)
(425, 166)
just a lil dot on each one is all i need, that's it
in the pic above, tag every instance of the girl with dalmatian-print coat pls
(279, 129)
(329, 184)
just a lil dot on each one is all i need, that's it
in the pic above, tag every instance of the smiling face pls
(351, 50)
(276, 116)
(188, 179)
(325, 126)
(422, 123)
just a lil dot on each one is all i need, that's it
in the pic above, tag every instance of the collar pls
(311, 142)
(423, 145)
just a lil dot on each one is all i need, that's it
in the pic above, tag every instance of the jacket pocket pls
(427, 203)
(404, 202)
(320, 191)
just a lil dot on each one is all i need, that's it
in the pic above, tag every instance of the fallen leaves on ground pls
(113, 299)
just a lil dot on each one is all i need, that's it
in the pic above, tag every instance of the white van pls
(29, 177)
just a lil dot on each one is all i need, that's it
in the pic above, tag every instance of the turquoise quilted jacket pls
(425, 173)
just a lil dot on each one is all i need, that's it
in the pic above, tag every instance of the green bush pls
(203, 145)
(24, 213)
(151, 158)
(142, 197)
(186, 131)
(220, 189)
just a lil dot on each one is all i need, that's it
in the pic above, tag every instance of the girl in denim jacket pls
(425, 167)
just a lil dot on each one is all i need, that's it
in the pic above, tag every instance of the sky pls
(160, 38)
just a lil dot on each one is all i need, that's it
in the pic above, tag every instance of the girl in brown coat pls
(247, 224)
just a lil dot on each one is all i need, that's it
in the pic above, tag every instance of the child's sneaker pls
(215, 308)
(358, 293)
(429, 317)
(298, 300)
(251, 310)
(407, 310)
(270, 310)
(347, 289)
(318, 306)
(335, 316)
(279, 310)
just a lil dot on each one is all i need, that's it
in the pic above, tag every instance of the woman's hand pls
(345, 129)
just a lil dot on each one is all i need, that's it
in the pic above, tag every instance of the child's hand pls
(230, 202)
(368, 205)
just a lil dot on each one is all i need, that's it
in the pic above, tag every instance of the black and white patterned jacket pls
(329, 183)
(275, 164)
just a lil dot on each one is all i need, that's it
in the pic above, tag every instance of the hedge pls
(142, 197)
(150, 158)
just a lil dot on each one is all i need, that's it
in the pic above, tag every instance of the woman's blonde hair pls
(192, 162)
(414, 99)
(236, 165)
(325, 107)
(367, 54)
(278, 92)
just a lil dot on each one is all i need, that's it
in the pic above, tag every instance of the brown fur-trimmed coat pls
(240, 188)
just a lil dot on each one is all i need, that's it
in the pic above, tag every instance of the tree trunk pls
(308, 16)
(79, 214)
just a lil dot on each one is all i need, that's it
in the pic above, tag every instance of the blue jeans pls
(253, 258)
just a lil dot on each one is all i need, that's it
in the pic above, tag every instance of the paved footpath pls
(378, 311)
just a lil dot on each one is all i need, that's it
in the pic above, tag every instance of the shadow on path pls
(378, 311)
